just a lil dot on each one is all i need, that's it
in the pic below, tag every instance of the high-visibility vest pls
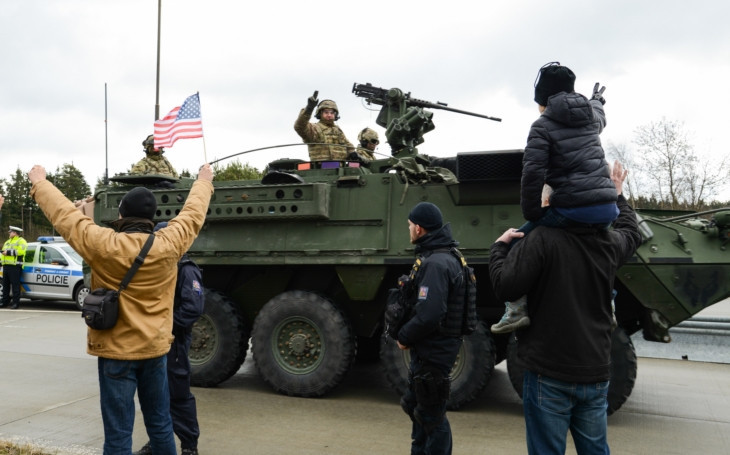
(16, 247)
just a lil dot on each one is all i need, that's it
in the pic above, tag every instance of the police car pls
(52, 271)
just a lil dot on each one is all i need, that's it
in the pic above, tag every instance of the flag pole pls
(157, 88)
(205, 152)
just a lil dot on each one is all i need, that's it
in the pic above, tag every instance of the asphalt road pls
(49, 395)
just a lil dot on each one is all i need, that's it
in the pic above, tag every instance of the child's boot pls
(515, 316)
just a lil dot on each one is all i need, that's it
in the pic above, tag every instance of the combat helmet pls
(149, 145)
(366, 136)
(327, 104)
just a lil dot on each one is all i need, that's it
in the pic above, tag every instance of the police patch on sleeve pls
(422, 292)
(197, 288)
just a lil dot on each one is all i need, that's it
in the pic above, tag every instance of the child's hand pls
(510, 234)
(598, 94)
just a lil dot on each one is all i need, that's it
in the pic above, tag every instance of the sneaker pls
(193, 451)
(515, 316)
(145, 450)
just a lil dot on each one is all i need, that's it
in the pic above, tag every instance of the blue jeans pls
(553, 407)
(118, 380)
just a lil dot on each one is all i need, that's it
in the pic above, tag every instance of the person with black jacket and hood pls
(563, 151)
(568, 274)
(433, 353)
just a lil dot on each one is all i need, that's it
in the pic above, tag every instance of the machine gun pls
(403, 117)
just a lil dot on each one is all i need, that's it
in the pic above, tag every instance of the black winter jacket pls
(567, 275)
(436, 277)
(564, 150)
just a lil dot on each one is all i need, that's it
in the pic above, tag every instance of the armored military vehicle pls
(300, 261)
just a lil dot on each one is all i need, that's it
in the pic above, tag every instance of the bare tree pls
(664, 157)
(677, 176)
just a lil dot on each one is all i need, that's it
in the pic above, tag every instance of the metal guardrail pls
(703, 325)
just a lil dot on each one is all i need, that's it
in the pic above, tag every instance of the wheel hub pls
(298, 345)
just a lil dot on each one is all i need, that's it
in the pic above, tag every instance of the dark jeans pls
(118, 381)
(11, 282)
(553, 407)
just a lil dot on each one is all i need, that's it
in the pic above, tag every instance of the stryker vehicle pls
(301, 261)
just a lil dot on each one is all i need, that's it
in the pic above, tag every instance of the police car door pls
(27, 278)
(50, 274)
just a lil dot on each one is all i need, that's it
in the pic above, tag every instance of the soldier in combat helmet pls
(326, 140)
(153, 162)
(368, 139)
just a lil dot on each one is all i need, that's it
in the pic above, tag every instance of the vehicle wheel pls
(472, 370)
(219, 341)
(515, 371)
(303, 344)
(623, 369)
(80, 294)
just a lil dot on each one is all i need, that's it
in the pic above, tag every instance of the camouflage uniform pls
(153, 162)
(364, 155)
(323, 133)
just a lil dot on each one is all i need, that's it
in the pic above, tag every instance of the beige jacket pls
(144, 327)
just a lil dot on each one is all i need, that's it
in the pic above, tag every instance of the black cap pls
(553, 79)
(139, 203)
(426, 215)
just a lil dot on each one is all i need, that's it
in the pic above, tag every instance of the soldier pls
(153, 162)
(326, 140)
(368, 141)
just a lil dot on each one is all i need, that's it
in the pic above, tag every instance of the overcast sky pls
(255, 64)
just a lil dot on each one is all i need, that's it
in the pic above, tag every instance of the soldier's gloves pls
(312, 101)
(598, 94)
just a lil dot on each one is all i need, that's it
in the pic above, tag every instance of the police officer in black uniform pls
(433, 352)
(188, 306)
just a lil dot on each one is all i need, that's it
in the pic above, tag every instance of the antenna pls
(106, 142)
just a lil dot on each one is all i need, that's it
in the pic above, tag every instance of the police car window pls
(53, 256)
(29, 254)
(76, 257)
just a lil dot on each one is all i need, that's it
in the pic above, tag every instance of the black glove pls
(312, 101)
(598, 94)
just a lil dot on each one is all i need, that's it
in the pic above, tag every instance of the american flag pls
(183, 122)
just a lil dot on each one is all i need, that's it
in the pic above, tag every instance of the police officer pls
(188, 306)
(153, 162)
(433, 352)
(368, 141)
(12, 256)
(326, 140)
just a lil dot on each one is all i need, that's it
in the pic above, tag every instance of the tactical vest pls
(461, 316)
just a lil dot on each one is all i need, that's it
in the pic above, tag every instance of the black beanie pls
(426, 215)
(553, 79)
(139, 203)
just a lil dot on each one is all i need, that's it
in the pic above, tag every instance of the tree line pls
(21, 210)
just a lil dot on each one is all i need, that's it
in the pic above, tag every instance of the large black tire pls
(623, 369)
(220, 341)
(303, 344)
(471, 372)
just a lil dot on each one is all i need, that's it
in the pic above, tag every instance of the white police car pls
(52, 271)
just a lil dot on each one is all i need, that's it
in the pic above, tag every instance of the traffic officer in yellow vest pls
(12, 256)
(326, 140)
